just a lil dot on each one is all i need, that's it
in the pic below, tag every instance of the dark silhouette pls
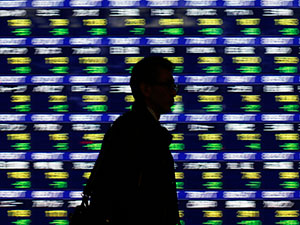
(133, 179)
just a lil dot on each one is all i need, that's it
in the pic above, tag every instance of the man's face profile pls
(160, 95)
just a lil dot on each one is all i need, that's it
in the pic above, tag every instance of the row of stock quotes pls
(235, 122)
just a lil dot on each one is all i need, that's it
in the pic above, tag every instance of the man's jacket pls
(133, 179)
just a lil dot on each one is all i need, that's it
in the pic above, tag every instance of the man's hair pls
(147, 71)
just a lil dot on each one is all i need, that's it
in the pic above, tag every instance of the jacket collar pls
(142, 111)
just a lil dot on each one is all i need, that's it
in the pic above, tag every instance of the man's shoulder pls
(125, 123)
(125, 119)
(135, 117)
(139, 122)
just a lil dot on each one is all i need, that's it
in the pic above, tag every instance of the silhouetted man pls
(133, 180)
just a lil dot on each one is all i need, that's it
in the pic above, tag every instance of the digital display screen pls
(65, 69)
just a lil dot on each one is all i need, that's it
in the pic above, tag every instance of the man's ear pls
(145, 89)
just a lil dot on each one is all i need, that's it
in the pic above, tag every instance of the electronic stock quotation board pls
(64, 79)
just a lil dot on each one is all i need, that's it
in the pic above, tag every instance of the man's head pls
(152, 83)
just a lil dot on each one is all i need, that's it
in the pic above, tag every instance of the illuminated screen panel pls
(235, 122)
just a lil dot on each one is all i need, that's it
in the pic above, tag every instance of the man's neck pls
(150, 108)
(154, 114)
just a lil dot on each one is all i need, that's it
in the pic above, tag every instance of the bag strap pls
(87, 192)
(85, 200)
